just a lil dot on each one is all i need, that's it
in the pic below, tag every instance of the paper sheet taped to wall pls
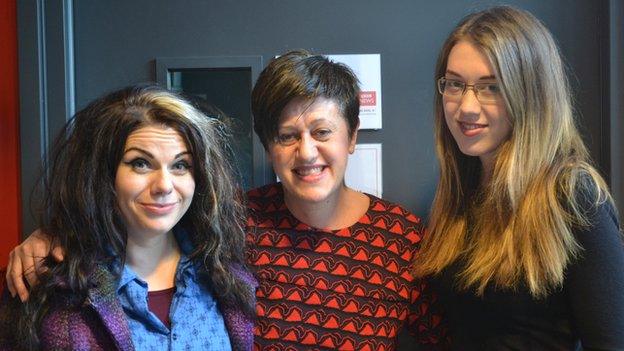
(367, 67)
(364, 172)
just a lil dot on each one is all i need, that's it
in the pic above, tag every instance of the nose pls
(162, 184)
(470, 105)
(307, 148)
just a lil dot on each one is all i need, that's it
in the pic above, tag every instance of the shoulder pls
(392, 209)
(593, 220)
(395, 219)
(585, 196)
(243, 273)
(592, 216)
(600, 230)
(581, 190)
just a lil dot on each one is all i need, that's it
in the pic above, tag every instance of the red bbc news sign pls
(368, 98)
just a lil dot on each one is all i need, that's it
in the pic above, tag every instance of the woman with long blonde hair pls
(523, 243)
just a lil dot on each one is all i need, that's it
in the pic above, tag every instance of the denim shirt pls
(196, 321)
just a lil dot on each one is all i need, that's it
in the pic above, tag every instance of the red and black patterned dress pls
(347, 289)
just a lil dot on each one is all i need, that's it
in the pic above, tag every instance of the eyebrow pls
(491, 76)
(312, 123)
(149, 154)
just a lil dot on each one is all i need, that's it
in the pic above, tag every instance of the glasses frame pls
(441, 82)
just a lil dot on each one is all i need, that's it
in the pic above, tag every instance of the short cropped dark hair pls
(300, 74)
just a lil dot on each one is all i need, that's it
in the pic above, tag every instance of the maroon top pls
(159, 303)
(347, 289)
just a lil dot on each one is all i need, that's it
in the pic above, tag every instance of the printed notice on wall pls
(364, 169)
(368, 70)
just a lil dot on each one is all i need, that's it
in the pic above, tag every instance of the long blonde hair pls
(516, 229)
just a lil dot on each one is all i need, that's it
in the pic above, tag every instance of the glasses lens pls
(453, 87)
(488, 92)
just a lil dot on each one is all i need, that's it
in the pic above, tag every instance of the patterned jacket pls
(100, 324)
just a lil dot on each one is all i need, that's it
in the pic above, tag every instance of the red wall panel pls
(10, 214)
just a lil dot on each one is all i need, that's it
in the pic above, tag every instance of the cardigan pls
(100, 323)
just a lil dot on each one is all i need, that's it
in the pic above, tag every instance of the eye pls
(139, 165)
(454, 86)
(286, 138)
(322, 134)
(181, 167)
(492, 88)
(489, 88)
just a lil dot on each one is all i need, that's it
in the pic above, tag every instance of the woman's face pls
(154, 181)
(311, 151)
(479, 128)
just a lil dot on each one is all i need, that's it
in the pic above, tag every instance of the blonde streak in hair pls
(527, 100)
(516, 105)
(186, 111)
(211, 163)
(554, 101)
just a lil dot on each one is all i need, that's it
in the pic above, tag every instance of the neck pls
(338, 211)
(154, 259)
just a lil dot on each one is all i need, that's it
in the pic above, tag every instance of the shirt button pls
(174, 336)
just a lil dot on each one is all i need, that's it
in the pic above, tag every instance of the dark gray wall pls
(117, 41)
(98, 46)
(46, 87)
(103, 45)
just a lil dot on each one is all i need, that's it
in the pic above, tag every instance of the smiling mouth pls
(471, 126)
(470, 129)
(159, 209)
(308, 170)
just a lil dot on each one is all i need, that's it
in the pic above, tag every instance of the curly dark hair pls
(80, 210)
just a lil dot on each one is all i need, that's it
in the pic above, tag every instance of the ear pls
(353, 139)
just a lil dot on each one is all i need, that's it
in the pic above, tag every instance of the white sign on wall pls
(364, 169)
(367, 67)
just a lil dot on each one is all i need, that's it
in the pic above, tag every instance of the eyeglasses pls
(455, 89)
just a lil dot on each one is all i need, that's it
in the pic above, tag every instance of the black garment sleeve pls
(595, 281)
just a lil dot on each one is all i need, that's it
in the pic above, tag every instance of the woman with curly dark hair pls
(140, 192)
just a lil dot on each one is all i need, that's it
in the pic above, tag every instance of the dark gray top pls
(586, 313)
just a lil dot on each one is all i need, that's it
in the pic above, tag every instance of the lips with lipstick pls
(471, 129)
(159, 209)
